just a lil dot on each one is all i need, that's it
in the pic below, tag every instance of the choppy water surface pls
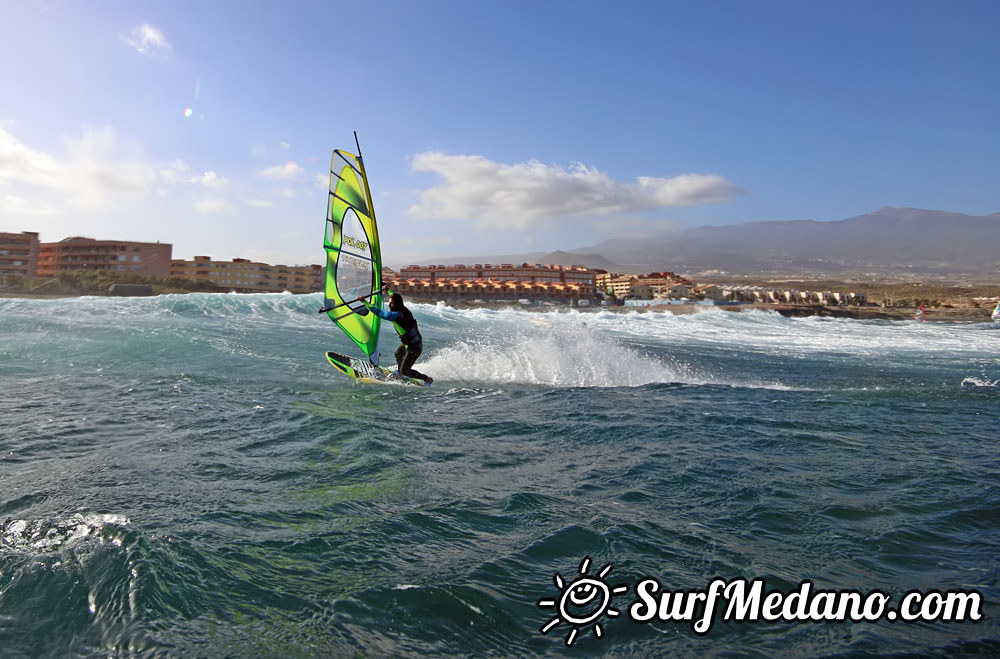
(187, 476)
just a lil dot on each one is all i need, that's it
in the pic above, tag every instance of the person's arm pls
(384, 315)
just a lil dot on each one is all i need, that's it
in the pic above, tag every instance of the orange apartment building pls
(19, 254)
(143, 259)
(655, 283)
(565, 284)
(246, 276)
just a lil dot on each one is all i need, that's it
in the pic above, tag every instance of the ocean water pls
(187, 476)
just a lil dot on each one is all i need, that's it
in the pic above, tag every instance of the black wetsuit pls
(412, 343)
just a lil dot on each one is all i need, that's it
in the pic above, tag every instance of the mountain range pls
(889, 241)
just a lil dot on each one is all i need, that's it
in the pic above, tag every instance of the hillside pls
(890, 240)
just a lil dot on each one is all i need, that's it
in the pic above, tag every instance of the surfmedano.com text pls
(748, 602)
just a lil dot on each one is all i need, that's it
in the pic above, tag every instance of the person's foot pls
(428, 379)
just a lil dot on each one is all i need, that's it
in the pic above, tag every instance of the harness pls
(406, 326)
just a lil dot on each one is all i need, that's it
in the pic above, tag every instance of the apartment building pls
(77, 253)
(603, 280)
(457, 290)
(621, 285)
(246, 276)
(649, 289)
(506, 281)
(533, 273)
(652, 284)
(19, 253)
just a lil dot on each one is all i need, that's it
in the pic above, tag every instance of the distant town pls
(23, 255)
(29, 265)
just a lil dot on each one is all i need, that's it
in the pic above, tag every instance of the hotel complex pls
(23, 255)
(18, 253)
(653, 285)
(245, 276)
(143, 259)
(489, 282)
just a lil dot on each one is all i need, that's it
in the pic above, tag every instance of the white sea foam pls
(547, 357)
(748, 331)
(570, 348)
(49, 535)
(979, 382)
(560, 350)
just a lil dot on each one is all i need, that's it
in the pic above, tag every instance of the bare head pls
(395, 302)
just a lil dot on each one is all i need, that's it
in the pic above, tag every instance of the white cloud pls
(211, 180)
(147, 40)
(178, 172)
(16, 205)
(98, 171)
(215, 207)
(513, 196)
(102, 169)
(22, 164)
(289, 171)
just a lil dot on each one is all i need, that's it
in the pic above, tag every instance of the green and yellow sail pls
(353, 257)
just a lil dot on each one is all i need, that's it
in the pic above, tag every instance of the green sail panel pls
(353, 257)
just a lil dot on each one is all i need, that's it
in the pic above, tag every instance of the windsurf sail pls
(996, 314)
(353, 257)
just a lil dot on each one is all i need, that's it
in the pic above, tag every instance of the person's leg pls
(406, 366)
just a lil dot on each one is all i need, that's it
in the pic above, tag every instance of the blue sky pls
(488, 127)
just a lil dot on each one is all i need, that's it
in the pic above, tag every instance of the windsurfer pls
(412, 344)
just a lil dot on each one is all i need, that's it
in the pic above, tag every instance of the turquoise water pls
(187, 476)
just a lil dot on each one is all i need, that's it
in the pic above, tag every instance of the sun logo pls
(583, 601)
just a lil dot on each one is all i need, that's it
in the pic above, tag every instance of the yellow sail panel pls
(353, 257)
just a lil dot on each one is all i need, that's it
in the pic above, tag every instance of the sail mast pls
(377, 271)
(368, 192)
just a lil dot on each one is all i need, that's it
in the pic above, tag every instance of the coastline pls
(804, 310)
(787, 310)
(35, 296)
(870, 313)
(953, 314)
